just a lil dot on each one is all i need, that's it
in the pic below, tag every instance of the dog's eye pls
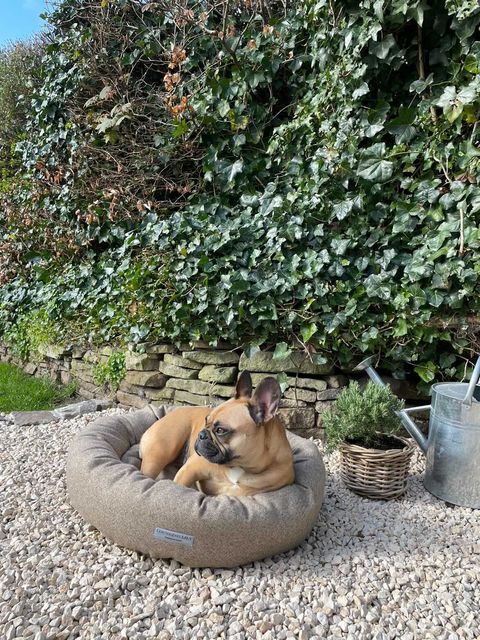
(220, 431)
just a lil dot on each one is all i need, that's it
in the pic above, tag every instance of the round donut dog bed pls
(166, 520)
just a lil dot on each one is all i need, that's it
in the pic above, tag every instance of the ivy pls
(111, 372)
(284, 178)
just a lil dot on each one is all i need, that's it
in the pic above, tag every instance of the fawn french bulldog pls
(238, 448)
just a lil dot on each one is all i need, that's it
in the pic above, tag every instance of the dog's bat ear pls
(244, 385)
(265, 400)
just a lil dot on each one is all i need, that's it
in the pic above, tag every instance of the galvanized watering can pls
(452, 447)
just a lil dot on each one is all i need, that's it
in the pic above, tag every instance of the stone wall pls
(163, 374)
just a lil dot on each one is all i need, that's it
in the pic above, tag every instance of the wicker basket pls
(374, 473)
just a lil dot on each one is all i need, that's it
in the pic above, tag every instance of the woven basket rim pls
(408, 446)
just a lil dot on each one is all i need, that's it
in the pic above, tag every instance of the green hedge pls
(304, 177)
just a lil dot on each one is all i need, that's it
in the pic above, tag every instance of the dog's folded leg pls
(194, 470)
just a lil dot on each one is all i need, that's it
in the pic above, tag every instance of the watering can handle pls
(473, 382)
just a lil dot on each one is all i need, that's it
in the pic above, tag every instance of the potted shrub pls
(363, 425)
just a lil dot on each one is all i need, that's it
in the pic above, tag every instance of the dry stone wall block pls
(78, 352)
(329, 394)
(85, 392)
(195, 399)
(93, 389)
(65, 377)
(288, 403)
(201, 344)
(155, 348)
(140, 362)
(300, 394)
(212, 357)
(84, 378)
(164, 395)
(53, 351)
(320, 407)
(212, 373)
(131, 400)
(177, 372)
(298, 420)
(200, 387)
(336, 381)
(82, 371)
(178, 361)
(296, 362)
(30, 368)
(91, 357)
(307, 383)
(146, 379)
(293, 381)
(132, 388)
(79, 365)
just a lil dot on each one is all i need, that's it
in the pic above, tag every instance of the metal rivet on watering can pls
(452, 448)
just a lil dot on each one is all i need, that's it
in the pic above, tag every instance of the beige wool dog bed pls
(165, 520)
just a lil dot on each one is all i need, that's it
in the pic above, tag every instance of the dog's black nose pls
(203, 435)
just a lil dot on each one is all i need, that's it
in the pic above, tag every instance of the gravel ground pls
(407, 569)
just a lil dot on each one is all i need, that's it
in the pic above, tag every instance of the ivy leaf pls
(319, 358)
(468, 94)
(105, 123)
(180, 129)
(282, 350)
(361, 90)
(401, 329)
(308, 331)
(342, 209)
(373, 167)
(233, 170)
(447, 360)
(471, 64)
(419, 86)
(223, 108)
(453, 112)
(401, 126)
(448, 96)
(426, 371)
(451, 104)
(251, 349)
(418, 13)
(382, 48)
(282, 379)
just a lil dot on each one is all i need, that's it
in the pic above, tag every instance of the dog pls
(238, 448)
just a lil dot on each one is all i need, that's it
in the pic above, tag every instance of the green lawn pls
(20, 392)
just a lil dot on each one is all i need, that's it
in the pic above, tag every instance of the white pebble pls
(369, 570)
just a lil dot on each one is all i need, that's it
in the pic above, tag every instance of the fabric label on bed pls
(173, 536)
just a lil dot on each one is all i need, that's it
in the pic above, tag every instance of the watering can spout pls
(408, 423)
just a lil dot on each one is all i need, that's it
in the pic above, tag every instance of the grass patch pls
(21, 392)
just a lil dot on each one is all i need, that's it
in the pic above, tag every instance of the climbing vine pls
(280, 175)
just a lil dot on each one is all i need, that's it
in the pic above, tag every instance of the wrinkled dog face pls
(234, 430)
(228, 435)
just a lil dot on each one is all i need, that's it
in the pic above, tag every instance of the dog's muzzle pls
(206, 447)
